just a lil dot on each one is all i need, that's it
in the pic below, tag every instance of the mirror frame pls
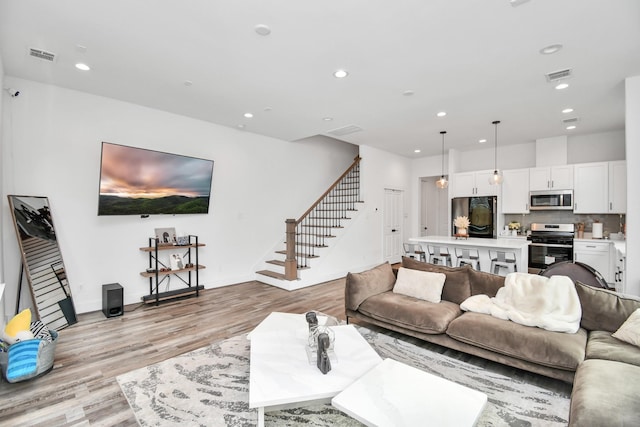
(42, 262)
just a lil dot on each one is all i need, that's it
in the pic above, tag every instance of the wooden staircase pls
(315, 229)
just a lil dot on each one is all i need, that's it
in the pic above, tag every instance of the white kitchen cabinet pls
(551, 178)
(515, 191)
(468, 184)
(618, 187)
(591, 188)
(599, 255)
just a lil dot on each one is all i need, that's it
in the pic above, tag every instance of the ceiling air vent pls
(558, 75)
(42, 54)
(570, 121)
(345, 130)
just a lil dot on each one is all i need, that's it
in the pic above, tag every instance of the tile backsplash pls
(612, 223)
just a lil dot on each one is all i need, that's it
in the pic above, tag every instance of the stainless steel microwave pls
(551, 200)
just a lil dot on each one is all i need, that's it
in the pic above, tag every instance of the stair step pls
(271, 274)
(299, 254)
(281, 264)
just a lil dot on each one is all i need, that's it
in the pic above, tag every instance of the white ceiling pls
(478, 60)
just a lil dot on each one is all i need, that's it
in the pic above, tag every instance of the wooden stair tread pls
(281, 264)
(273, 274)
(299, 254)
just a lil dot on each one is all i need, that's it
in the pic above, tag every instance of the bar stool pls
(413, 250)
(468, 257)
(438, 255)
(500, 259)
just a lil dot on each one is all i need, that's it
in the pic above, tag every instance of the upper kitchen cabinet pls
(469, 184)
(515, 191)
(551, 178)
(618, 187)
(591, 188)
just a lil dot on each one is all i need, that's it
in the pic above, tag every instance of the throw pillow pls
(360, 286)
(629, 332)
(420, 284)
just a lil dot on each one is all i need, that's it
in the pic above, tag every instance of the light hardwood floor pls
(82, 389)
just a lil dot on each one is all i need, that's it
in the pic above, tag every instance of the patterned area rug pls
(210, 387)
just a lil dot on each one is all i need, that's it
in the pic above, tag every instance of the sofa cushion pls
(605, 394)
(485, 283)
(456, 286)
(604, 310)
(420, 284)
(360, 286)
(629, 331)
(411, 313)
(554, 349)
(602, 345)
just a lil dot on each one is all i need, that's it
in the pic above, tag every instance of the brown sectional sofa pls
(605, 371)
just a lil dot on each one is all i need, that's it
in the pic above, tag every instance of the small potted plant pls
(462, 224)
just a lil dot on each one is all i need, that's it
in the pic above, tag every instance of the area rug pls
(210, 387)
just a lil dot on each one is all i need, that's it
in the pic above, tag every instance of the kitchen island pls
(517, 245)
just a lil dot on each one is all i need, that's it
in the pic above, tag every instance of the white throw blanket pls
(549, 303)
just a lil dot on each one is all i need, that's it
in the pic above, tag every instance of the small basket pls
(28, 359)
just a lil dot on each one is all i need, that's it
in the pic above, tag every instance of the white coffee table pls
(281, 375)
(395, 394)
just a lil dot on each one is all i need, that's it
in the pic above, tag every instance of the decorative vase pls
(462, 231)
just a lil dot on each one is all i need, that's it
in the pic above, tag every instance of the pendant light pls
(496, 178)
(442, 183)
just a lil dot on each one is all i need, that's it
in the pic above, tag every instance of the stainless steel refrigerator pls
(482, 213)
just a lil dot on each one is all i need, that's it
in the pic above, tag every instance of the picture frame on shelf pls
(166, 236)
(182, 240)
(176, 262)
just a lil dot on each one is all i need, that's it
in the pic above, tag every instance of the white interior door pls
(434, 208)
(392, 217)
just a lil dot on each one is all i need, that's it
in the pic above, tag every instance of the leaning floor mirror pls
(42, 264)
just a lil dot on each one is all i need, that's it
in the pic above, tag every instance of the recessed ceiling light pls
(248, 115)
(441, 114)
(327, 119)
(548, 50)
(567, 110)
(516, 3)
(562, 86)
(82, 67)
(340, 74)
(262, 29)
(188, 82)
(482, 141)
(267, 109)
(571, 127)
(408, 93)
(416, 151)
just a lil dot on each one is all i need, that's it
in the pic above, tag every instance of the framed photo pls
(176, 262)
(166, 236)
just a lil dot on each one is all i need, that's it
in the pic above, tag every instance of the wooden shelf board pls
(166, 273)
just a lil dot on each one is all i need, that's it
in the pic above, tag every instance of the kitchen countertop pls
(501, 242)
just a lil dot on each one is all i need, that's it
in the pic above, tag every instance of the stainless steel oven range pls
(550, 243)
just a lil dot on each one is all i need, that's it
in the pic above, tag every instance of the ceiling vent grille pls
(345, 130)
(571, 120)
(558, 75)
(42, 54)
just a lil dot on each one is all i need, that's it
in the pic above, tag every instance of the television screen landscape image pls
(137, 181)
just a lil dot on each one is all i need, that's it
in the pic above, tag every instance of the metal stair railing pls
(307, 234)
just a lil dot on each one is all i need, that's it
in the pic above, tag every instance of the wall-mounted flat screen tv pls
(137, 181)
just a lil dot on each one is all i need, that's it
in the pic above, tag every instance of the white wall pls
(596, 147)
(51, 147)
(380, 170)
(632, 96)
(3, 302)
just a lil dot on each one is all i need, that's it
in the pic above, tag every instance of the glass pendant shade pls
(442, 183)
(496, 178)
